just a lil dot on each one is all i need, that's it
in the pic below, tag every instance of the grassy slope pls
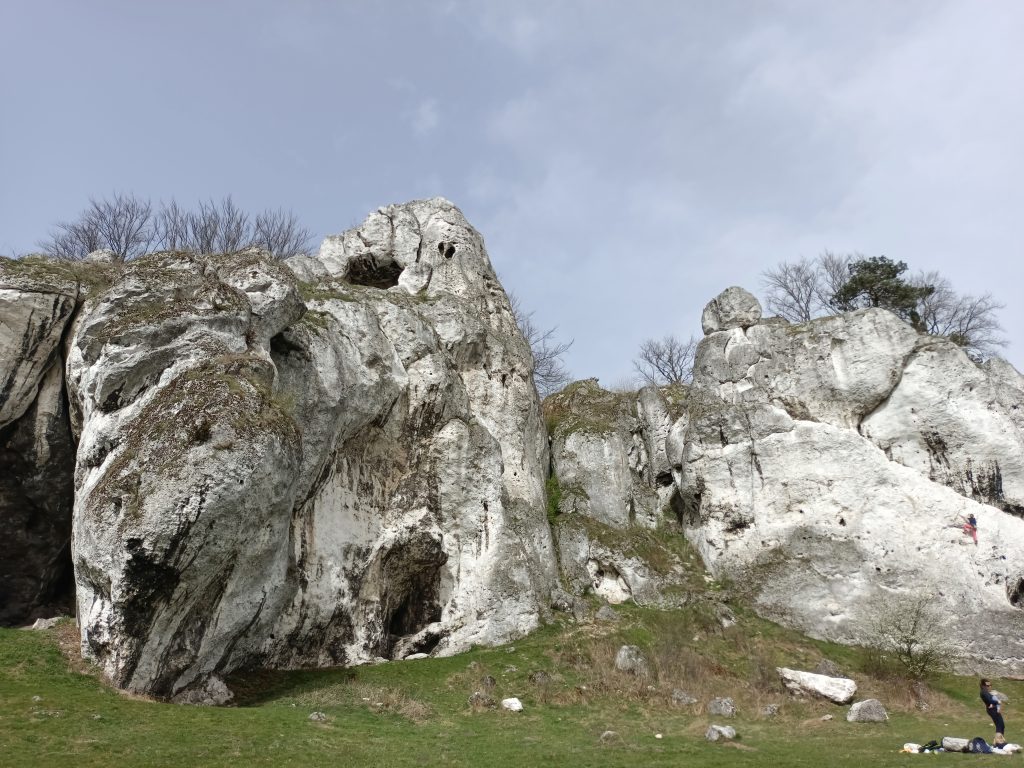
(416, 713)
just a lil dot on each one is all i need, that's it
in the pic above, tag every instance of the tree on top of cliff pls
(802, 290)
(669, 361)
(131, 227)
(877, 282)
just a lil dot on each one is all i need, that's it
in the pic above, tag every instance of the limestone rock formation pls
(330, 461)
(615, 488)
(823, 468)
(37, 301)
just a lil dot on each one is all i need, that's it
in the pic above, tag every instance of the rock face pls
(615, 488)
(823, 467)
(37, 454)
(332, 461)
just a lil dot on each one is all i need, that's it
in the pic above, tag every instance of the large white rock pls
(840, 690)
(326, 470)
(786, 491)
(734, 307)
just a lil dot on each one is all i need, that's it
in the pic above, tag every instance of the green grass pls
(417, 713)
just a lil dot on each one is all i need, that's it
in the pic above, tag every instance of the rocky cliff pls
(827, 467)
(341, 459)
(330, 461)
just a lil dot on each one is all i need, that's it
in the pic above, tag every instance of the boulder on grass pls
(867, 711)
(720, 732)
(840, 690)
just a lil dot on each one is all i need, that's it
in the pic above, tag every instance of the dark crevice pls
(373, 272)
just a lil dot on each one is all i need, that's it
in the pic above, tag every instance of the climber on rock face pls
(971, 527)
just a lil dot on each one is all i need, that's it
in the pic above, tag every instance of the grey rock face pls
(37, 300)
(867, 711)
(290, 471)
(825, 465)
(734, 307)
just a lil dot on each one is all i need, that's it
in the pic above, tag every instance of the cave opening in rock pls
(373, 272)
(1015, 592)
(411, 600)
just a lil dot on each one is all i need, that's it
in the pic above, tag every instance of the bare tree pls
(280, 233)
(549, 371)
(130, 227)
(123, 224)
(802, 290)
(793, 290)
(970, 321)
(669, 361)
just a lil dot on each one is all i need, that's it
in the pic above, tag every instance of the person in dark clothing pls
(992, 707)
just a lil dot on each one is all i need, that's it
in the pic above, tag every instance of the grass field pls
(56, 711)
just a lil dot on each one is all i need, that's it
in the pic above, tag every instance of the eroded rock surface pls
(824, 468)
(332, 461)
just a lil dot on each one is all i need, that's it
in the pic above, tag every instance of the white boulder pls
(837, 689)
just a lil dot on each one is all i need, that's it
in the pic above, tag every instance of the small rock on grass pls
(609, 737)
(512, 704)
(722, 706)
(720, 732)
(318, 717)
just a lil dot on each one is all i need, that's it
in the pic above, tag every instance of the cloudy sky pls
(625, 162)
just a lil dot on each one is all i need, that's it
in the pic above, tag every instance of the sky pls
(625, 162)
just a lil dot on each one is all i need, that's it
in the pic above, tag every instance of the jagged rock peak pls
(423, 245)
(734, 307)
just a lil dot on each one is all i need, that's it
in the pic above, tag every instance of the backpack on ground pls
(979, 746)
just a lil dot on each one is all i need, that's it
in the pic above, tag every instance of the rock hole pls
(411, 581)
(1015, 592)
(664, 479)
(842, 521)
(446, 249)
(373, 272)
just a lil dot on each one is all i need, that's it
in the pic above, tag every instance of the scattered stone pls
(481, 699)
(609, 736)
(46, 623)
(769, 710)
(415, 656)
(681, 698)
(512, 704)
(828, 668)
(318, 717)
(97, 717)
(825, 718)
(102, 256)
(724, 707)
(511, 668)
(37, 698)
(837, 689)
(953, 744)
(211, 692)
(720, 732)
(561, 600)
(867, 711)
(630, 659)
(607, 613)
(657, 736)
(540, 677)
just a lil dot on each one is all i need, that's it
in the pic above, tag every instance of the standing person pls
(992, 707)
